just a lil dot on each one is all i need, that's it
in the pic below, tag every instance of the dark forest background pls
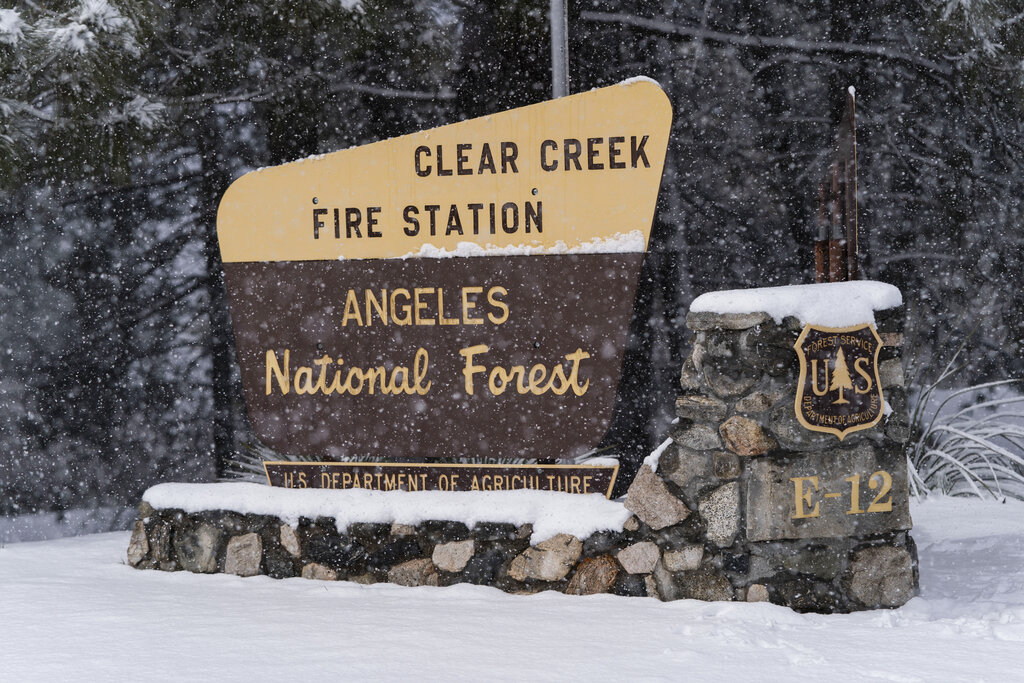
(122, 123)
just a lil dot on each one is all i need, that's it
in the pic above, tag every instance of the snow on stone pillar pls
(790, 511)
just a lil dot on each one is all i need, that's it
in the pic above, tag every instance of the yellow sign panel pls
(576, 173)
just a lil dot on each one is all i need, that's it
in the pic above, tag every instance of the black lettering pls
(535, 214)
(614, 152)
(509, 153)
(317, 223)
(454, 222)
(486, 159)
(491, 206)
(371, 220)
(432, 209)
(441, 170)
(337, 224)
(544, 164)
(475, 208)
(505, 225)
(592, 152)
(637, 151)
(352, 218)
(413, 227)
(572, 149)
(421, 170)
(461, 159)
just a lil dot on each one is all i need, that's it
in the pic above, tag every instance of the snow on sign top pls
(830, 304)
(550, 513)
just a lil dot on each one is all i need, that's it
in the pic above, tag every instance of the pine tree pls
(840, 377)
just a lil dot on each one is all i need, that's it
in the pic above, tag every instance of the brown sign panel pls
(839, 390)
(460, 292)
(582, 479)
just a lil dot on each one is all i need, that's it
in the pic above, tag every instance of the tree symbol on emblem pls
(840, 378)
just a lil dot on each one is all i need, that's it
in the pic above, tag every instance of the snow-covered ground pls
(72, 610)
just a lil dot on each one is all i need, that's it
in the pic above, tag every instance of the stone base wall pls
(718, 518)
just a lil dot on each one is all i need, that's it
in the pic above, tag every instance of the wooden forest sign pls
(459, 292)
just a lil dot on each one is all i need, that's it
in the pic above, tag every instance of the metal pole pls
(559, 49)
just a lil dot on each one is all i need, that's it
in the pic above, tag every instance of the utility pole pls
(559, 49)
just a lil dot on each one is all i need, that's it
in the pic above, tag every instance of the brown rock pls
(549, 560)
(138, 546)
(402, 529)
(743, 436)
(419, 572)
(594, 575)
(639, 558)
(319, 572)
(757, 593)
(651, 501)
(244, 555)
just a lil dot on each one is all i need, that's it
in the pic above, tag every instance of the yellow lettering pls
(468, 306)
(470, 368)
(497, 303)
(802, 497)
(351, 310)
(405, 308)
(421, 305)
(274, 369)
(860, 366)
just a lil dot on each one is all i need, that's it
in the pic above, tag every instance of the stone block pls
(744, 436)
(810, 496)
(721, 513)
(639, 558)
(196, 549)
(704, 584)
(453, 557)
(290, 540)
(138, 546)
(690, 379)
(686, 558)
(549, 560)
(890, 372)
(319, 572)
(682, 466)
(758, 401)
(244, 554)
(758, 592)
(727, 381)
(402, 529)
(725, 465)
(698, 438)
(881, 576)
(790, 434)
(700, 321)
(419, 572)
(701, 408)
(650, 500)
(594, 575)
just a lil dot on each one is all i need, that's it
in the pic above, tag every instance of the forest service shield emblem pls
(839, 390)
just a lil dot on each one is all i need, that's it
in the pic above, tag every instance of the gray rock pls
(244, 555)
(684, 559)
(197, 548)
(682, 466)
(319, 572)
(699, 438)
(757, 593)
(290, 540)
(639, 558)
(757, 402)
(651, 501)
(725, 465)
(721, 512)
(549, 560)
(138, 546)
(453, 557)
(593, 575)
(363, 579)
(631, 524)
(160, 548)
(881, 577)
(724, 321)
(792, 435)
(690, 379)
(727, 380)
(701, 408)
(145, 511)
(419, 572)
(704, 584)
(744, 436)
(890, 372)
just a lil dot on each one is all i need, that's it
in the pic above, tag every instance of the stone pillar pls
(789, 515)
